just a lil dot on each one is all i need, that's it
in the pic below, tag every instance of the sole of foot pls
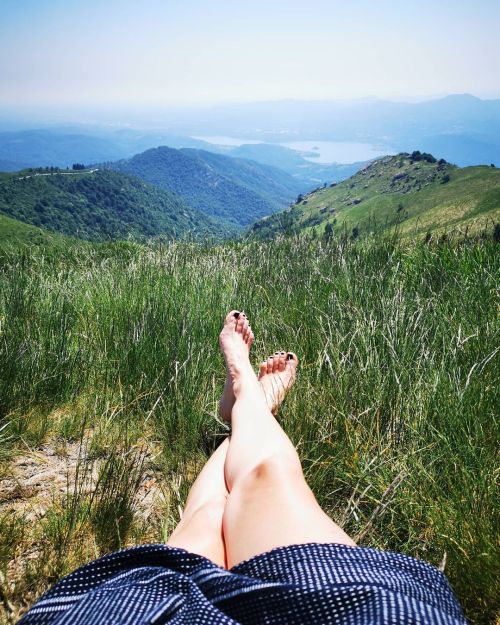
(276, 376)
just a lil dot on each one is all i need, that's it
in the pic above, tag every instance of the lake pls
(338, 151)
(324, 151)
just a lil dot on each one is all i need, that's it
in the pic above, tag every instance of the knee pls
(273, 470)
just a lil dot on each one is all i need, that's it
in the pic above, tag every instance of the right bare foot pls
(276, 376)
(235, 341)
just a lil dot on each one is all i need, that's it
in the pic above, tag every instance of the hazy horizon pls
(168, 55)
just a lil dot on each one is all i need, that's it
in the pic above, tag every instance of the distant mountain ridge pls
(415, 192)
(101, 205)
(61, 147)
(461, 128)
(65, 146)
(308, 173)
(236, 190)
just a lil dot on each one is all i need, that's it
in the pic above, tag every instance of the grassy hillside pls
(416, 194)
(99, 205)
(14, 232)
(111, 376)
(235, 190)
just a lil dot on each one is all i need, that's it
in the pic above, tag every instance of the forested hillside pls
(236, 190)
(99, 205)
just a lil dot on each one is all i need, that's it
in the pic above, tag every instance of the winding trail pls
(60, 173)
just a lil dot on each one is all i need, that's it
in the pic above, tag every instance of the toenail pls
(289, 356)
(236, 315)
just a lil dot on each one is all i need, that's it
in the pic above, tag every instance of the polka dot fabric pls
(312, 583)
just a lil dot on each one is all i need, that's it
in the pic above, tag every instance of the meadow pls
(111, 374)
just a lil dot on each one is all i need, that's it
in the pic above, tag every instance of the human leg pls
(200, 528)
(270, 504)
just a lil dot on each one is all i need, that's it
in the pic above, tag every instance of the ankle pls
(245, 382)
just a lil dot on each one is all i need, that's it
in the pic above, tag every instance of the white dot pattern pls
(311, 583)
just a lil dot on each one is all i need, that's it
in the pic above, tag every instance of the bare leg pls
(270, 505)
(200, 529)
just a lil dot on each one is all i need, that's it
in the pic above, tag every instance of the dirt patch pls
(37, 479)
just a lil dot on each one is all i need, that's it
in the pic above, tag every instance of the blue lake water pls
(324, 151)
(338, 151)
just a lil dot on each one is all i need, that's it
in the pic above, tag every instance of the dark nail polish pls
(236, 315)
(289, 357)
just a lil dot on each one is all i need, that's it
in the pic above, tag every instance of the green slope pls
(236, 190)
(100, 205)
(414, 192)
(14, 232)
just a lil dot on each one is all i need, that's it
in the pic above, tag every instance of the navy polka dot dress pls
(312, 583)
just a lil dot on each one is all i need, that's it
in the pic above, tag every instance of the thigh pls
(201, 532)
(274, 507)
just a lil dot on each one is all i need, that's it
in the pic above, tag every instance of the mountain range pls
(463, 129)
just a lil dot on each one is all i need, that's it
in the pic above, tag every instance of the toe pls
(232, 317)
(240, 324)
(263, 369)
(246, 334)
(270, 364)
(291, 359)
(282, 362)
(276, 362)
(251, 338)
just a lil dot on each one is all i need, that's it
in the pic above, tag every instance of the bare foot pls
(235, 341)
(276, 376)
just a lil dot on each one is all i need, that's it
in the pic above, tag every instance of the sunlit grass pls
(393, 412)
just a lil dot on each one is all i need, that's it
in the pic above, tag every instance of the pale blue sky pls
(189, 51)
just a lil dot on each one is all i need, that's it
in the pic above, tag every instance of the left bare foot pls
(235, 341)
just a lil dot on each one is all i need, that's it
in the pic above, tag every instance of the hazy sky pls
(192, 51)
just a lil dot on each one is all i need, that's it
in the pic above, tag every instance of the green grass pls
(14, 233)
(393, 412)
